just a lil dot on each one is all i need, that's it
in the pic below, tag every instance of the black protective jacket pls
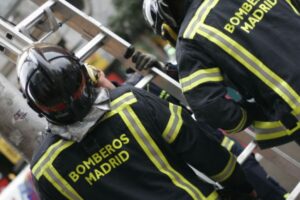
(137, 151)
(254, 45)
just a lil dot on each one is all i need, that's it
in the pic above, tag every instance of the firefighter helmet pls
(55, 83)
(159, 16)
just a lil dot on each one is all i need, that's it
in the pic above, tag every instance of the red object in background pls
(3, 183)
(115, 78)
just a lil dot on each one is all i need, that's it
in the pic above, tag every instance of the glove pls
(145, 61)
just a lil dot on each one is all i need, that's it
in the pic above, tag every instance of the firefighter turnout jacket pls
(137, 150)
(255, 43)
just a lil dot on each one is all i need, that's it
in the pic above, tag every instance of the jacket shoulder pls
(120, 91)
(47, 141)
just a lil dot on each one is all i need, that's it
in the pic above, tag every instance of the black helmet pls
(55, 83)
(159, 16)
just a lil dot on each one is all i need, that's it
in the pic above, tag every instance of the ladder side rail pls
(295, 193)
(12, 35)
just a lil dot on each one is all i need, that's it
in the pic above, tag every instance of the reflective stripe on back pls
(119, 104)
(156, 156)
(44, 167)
(239, 53)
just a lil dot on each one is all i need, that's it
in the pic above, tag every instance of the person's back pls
(128, 144)
(255, 44)
(128, 154)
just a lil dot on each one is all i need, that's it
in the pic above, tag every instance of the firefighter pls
(123, 143)
(266, 187)
(252, 45)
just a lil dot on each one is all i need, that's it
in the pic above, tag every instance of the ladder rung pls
(295, 193)
(31, 20)
(144, 81)
(91, 47)
(246, 152)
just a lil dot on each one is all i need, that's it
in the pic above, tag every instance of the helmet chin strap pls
(165, 12)
(169, 34)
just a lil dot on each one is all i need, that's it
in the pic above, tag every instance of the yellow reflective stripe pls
(286, 195)
(271, 130)
(253, 64)
(171, 32)
(293, 7)
(296, 113)
(213, 196)
(120, 100)
(199, 77)
(164, 95)
(227, 171)
(49, 156)
(198, 18)
(174, 124)
(227, 143)
(92, 73)
(119, 104)
(45, 168)
(61, 184)
(241, 124)
(155, 155)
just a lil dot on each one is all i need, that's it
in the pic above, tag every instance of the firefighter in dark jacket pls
(253, 44)
(118, 144)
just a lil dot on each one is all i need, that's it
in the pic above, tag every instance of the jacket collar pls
(78, 130)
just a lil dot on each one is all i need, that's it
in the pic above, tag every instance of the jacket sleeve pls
(203, 86)
(193, 143)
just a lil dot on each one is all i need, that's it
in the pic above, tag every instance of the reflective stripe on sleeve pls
(271, 130)
(174, 124)
(227, 143)
(156, 156)
(199, 77)
(241, 124)
(227, 171)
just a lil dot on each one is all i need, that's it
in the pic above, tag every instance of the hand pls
(145, 61)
